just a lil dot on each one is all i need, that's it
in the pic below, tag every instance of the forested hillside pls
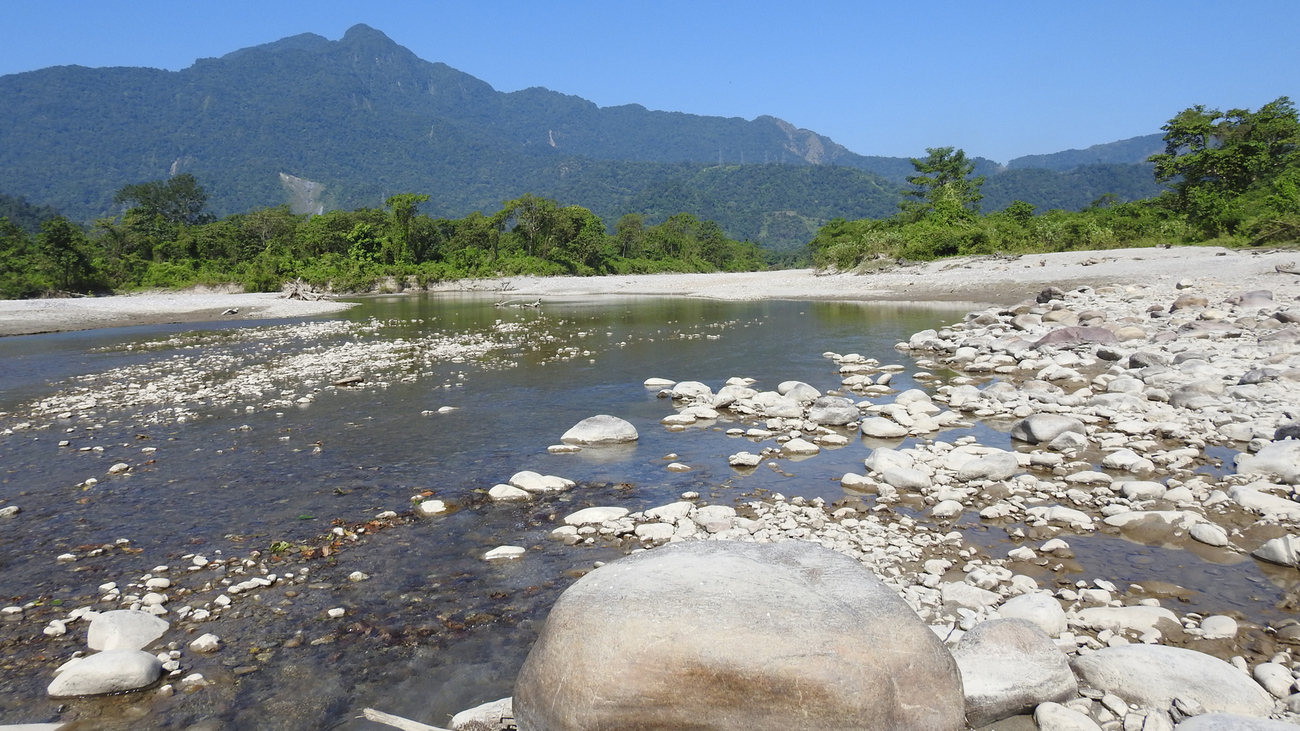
(361, 119)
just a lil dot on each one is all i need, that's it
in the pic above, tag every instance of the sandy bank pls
(965, 280)
(981, 280)
(27, 317)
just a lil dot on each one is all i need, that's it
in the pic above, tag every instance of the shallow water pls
(435, 629)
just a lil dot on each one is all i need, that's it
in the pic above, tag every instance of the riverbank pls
(30, 317)
(973, 281)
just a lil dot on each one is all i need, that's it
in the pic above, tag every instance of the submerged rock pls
(723, 635)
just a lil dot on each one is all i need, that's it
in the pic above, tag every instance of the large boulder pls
(1009, 666)
(833, 411)
(1045, 427)
(1277, 460)
(110, 671)
(601, 429)
(1076, 335)
(1152, 676)
(124, 629)
(728, 635)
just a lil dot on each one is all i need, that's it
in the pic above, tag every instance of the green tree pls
(179, 200)
(630, 235)
(403, 207)
(944, 186)
(63, 247)
(1212, 159)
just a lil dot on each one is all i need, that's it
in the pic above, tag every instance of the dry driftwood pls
(389, 719)
(300, 290)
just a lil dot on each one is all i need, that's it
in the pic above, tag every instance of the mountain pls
(1133, 151)
(341, 124)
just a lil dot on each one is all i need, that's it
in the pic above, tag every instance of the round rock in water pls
(124, 629)
(602, 429)
(111, 671)
(1045, 427)
(728, 635)
(1009, 666)
(1152, 676)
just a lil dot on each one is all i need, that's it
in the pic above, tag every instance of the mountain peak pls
(363, 35)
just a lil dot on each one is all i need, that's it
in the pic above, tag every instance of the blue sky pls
(998, 79)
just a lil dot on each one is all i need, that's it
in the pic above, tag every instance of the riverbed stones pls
(124, 629)
(1009, 666)
(726, 635)
(110, 671)
(601, 429)
(1040, 428)
(1152, 676)
(1232, 722)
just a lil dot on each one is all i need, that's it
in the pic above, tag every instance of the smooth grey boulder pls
(1056, 717)
(601, 429)
(111, 671)
(1153, 675)
(997, 465)
(692, 391)
(833, 411)
(905, 478)
(729, 635)
(883, 458)
(1077, 335)
(1277, 460)
(124, 629)
(1041, 609)
(1009, 666)
(1283, 551)
(1045, 427)
(1232, 722)
(1196, 395)
(882, 428)
(799, 391)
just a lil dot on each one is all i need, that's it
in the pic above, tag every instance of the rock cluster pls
(1114, 398)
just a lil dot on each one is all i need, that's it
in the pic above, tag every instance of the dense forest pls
(1226, 177)
(167, 239)
(346, 124)
(1233, 178)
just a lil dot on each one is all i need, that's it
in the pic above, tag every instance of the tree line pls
(1233, 179)
(165, 238)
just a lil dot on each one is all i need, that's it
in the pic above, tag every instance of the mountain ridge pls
(364, 118)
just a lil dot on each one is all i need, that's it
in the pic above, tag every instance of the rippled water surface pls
(435, 629)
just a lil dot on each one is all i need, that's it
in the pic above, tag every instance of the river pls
(237, 447)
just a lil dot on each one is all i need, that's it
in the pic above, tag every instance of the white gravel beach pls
(965, 280)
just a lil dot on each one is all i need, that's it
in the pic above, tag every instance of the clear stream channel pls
(435, 629)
